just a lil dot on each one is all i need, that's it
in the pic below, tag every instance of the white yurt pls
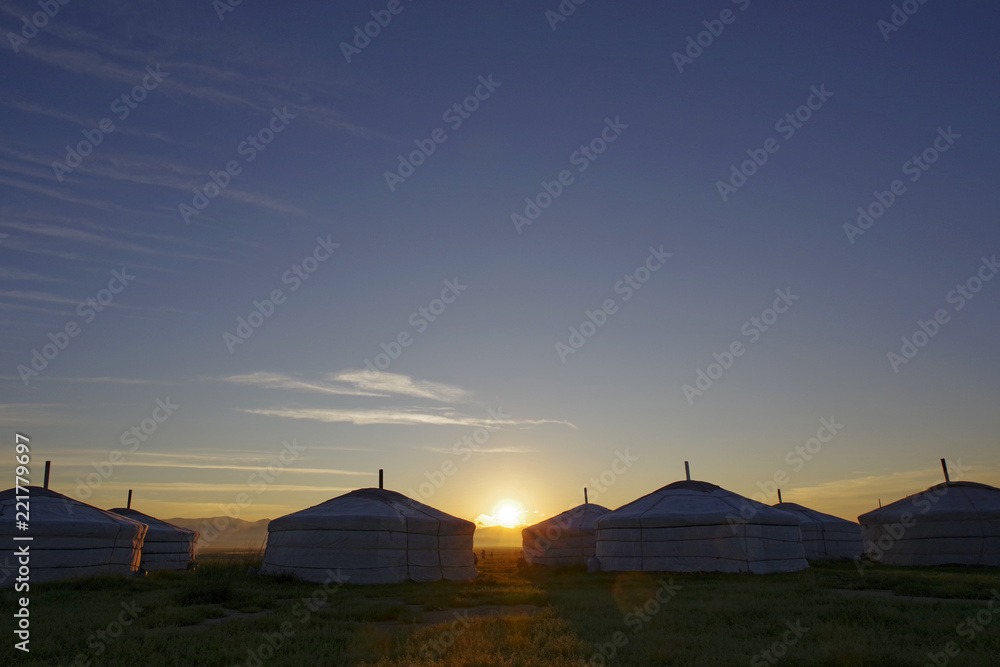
(952, 523)
(824, 536)
(692, 526)
(166, 547)
(70, 538)
(371, 536)
(564, 540)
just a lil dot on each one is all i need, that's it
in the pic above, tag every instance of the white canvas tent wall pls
(166, 546)
(824, 536)
(71, 538)
(564, 540)
(953, 523)
(692, 526)
(373, 536)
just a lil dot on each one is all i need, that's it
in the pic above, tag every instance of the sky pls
(252, 254)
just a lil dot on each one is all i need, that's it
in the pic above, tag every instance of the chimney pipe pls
(380, 478)
(944, 466)
(128, 505)
(48, 467)
(585, 501)
(687, 470)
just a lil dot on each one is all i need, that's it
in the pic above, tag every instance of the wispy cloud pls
(402, 385)
(281, 381)
(398, 416)
(356, 383)
(200, 466)
(488, 450)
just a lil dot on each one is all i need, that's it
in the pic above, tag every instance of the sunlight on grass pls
(510, 616)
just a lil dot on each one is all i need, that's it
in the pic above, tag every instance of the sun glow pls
(506, 513)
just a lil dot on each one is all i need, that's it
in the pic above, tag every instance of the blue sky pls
(280, 147)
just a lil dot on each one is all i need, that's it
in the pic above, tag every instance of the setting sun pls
(506, 513)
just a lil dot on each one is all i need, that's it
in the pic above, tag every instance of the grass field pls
(221, 614)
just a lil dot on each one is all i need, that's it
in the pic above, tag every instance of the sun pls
(506, 513)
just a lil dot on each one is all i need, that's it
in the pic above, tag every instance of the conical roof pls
(158, 529)
(947, 501)
(575, 521)
(373, 509)
(53, 513)
(809, 515)
(693, 503)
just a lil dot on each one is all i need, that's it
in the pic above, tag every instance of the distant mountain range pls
(224, 533)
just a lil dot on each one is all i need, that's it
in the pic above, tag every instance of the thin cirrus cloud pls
(356, 383)
(398, 416)
(290, 383)
(377, 385)
(402, 385)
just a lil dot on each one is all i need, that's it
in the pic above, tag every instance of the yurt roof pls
(373, 509)
(157, 527)
(692, 503)
(808, 515)
(945, 501)
(579, 519)
(53, 513)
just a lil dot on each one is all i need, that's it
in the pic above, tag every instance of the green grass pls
(711, 619)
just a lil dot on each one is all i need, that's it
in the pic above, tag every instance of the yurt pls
(564, 540)
(824, 536)
(70, 538)
(953, 523)
(371, 536)
(692, 526)
(166, 547)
